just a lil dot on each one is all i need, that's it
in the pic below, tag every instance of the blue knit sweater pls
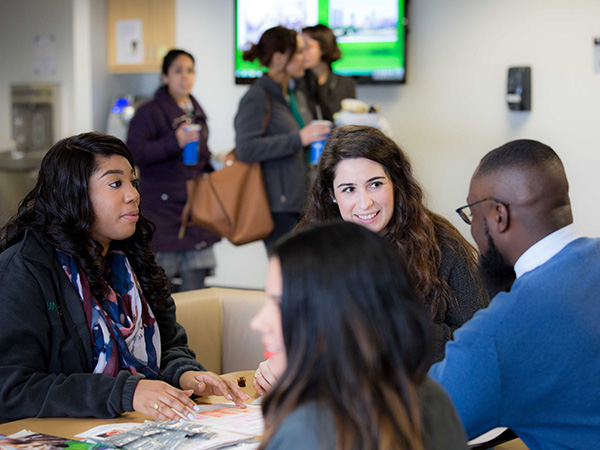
(531, 360)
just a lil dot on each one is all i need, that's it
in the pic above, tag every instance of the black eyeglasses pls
(465, 211)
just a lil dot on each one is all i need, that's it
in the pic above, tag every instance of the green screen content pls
(371, 34)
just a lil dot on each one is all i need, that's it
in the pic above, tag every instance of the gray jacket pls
(312, 426)
(278, 147)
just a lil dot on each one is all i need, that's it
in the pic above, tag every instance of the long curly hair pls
(418, 233)
(59, 207)
(357, 339)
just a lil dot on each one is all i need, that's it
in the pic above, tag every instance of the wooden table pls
(68, 427)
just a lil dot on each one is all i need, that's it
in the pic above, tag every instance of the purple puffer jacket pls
(152, 141)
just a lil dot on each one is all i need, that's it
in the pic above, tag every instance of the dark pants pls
(284, 223)
(189, 281)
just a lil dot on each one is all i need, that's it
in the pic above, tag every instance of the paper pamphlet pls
(231, 418)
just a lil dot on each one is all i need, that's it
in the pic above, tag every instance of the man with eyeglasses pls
(531, 360)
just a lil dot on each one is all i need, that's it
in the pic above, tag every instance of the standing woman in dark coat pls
(157, 135)
(279, 143)
(88, 325)
(325, 89)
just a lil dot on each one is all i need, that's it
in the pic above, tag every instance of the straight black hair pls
(171, 56)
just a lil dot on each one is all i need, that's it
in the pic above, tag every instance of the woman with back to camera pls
(364, 177)
(157, 136)
(88, 325)
(325, 89)
(273, 127)
(348, 341)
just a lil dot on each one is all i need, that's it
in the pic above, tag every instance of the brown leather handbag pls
(232, 202)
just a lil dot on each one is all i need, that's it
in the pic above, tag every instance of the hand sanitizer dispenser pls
(518, 92)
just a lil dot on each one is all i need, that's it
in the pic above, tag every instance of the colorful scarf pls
(124, 332)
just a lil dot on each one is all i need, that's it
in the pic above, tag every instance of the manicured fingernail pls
(190, 416)
(247, 397)
(182, 421)
(180, 414)
(229, 397)
(196, 407)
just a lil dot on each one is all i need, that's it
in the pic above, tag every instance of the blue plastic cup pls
(191, 149)
(316, 148)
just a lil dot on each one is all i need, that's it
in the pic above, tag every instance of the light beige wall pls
(452, 109)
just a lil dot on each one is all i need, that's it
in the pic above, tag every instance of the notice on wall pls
(44, 54)
(597, 55)
(130, 47)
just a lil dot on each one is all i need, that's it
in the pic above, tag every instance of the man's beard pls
(497, 273)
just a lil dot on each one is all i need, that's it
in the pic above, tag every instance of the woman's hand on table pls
(162, 401)
(264, 378)
(209, 383)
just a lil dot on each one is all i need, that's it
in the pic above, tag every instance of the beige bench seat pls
(217, 322)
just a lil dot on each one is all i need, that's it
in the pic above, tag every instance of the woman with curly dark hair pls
(349, 343)
(88, 325)
(364, 177)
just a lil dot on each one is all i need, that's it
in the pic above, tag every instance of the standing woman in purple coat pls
(157, 135)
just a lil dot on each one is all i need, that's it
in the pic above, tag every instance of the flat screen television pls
(370, 33)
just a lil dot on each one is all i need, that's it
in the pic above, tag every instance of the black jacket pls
(329, 96)
(46, 359)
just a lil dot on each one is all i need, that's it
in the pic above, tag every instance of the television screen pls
(371, 34)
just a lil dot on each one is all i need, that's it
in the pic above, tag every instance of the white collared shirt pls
(543, 250)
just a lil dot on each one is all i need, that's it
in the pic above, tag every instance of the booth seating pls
(217, 322)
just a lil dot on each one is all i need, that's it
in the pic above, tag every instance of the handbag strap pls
(231, 156)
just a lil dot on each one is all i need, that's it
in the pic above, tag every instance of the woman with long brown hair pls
(364, 177)
(349, 342)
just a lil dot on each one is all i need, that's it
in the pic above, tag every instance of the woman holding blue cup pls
(168, 138)
(272, 126)
(316, 148)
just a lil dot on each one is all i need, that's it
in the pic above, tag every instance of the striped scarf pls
(124, 332)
